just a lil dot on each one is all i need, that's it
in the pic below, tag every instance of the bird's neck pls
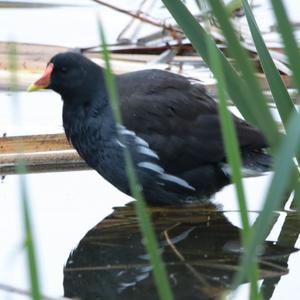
(86, 111)
(89, 98)
(77, 114)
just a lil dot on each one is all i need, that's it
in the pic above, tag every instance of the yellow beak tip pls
(33, 88)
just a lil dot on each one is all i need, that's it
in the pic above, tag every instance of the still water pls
(65, 206)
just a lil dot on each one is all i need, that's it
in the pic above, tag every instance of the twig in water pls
(181, 258)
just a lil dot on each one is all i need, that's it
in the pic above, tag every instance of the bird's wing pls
(178, 119)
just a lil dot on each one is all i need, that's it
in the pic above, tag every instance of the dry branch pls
(40, 153)
(34, 143)
(143, 17)
(42, 162)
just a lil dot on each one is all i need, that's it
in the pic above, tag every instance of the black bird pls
(170, 126)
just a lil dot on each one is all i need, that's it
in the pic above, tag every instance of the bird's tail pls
(256, 163)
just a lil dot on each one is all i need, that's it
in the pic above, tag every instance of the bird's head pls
(68, 74)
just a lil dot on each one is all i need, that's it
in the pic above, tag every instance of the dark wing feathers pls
(178, 119)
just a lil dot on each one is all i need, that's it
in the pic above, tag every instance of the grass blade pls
(265, 219)
(291, 48)
(283, 164)
(234, 160)
(229, 138)
(151, 244)
(262, 113)
(280, 94)
(29, 241)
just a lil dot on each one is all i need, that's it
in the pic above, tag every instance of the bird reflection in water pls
(199, 246)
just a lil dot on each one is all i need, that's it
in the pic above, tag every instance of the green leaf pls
(280, 94)
(229, 137)
(283, 164)
(29, 241)
(234, 160)
(288, 38)
(262, 113)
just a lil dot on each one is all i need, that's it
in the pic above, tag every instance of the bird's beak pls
(44, 81)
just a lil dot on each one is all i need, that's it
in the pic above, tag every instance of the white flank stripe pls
(142, 277)
(151, 166)
(177, 180)
(120, 144)
(246, 172)
(125, 285)
(141, 142)
(251, 173)
(226, 169)
(123, 130)
(142, 145)
(127, 132)
(147, 151)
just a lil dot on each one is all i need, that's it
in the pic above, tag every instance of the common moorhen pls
(170, 126)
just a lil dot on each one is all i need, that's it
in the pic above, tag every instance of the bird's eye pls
(64, 69)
